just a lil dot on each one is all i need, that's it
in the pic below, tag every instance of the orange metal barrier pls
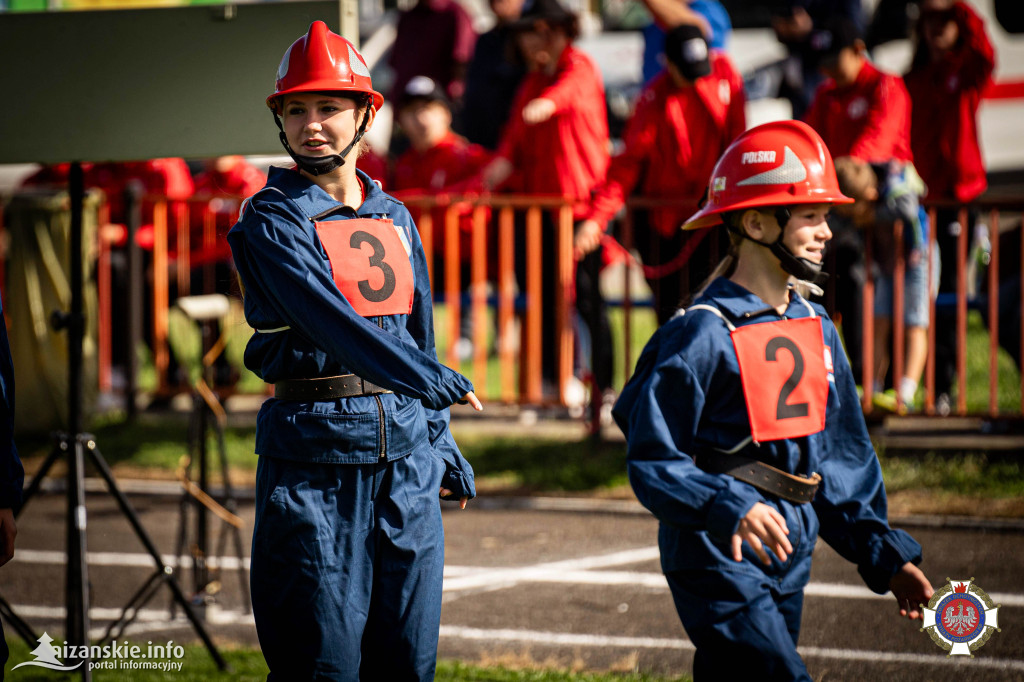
(181, 221)
(500, 273)
(492, 286)
(993, 209)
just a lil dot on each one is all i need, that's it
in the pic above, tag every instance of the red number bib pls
(370, 265)
(785, 381)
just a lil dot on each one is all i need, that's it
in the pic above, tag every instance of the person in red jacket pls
(952, 66)
(684, 120)
(859, 110)
(556, 144)
(863, 113)
(438, 161)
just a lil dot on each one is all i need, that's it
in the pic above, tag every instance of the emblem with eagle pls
(960, 617)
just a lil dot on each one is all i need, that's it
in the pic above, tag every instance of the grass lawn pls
(248, 666)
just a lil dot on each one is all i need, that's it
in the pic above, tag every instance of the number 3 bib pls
(370, 264)
(785, 381)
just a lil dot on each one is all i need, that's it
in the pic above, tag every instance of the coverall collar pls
(739, 304)
(313, 200)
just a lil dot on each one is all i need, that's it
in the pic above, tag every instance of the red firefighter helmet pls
(781, 163)
(322, 61)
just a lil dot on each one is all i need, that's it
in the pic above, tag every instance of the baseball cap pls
(833, 37)
(687, 50)
(422, 88)
(550, 11)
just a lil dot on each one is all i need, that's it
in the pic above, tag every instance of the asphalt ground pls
(544, 582)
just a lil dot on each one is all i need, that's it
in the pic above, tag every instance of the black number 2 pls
(359, 238)
(784, 410)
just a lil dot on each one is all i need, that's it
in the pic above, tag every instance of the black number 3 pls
(784, 410)
(359, 238)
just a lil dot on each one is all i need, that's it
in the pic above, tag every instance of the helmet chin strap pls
(801, 268)
(322, 165)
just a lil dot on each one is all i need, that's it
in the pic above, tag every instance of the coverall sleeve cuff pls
(458, 473)
(728, 509)
(453, 387)
(896, 548)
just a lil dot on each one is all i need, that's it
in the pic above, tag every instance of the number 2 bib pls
(785, 381)
(370, 265)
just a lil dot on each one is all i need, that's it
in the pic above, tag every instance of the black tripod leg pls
(140, 532)
(182, 539)
(138, 600)
(59, 448)
(21, 627)
(77, 583)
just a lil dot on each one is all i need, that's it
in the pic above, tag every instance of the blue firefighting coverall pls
(685, 400)
(348, 546)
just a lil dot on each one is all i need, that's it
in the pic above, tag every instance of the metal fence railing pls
(485, 259)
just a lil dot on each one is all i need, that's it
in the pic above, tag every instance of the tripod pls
(76, 446)
(207, 412)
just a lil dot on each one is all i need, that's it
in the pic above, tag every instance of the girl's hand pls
(445, 493)
(471, 399)
(763, 525)
(911, 589)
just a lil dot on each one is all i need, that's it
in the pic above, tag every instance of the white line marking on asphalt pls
(550, 569)
(571, 639)
(582, 571)
(140, 559)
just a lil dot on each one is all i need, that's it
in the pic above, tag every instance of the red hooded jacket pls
(946, 95)
(673, 141)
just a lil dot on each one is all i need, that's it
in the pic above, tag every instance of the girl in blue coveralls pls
(745, 435)
(354, 448)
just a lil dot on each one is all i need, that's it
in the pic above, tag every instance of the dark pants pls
(593, 311)
(947, 230)
(673, 279)
(347, 563)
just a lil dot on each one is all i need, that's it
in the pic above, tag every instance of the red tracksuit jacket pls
(869, 120)
(673, 141)
(946, 95)
(567, 154)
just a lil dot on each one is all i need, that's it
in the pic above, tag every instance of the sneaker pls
(607, 403)
(886, 401)
(575, 394)
(943, 404)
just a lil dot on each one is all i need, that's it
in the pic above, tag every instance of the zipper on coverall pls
(380, 412)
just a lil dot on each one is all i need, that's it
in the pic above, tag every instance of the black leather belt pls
(762, 476)
(327, 388)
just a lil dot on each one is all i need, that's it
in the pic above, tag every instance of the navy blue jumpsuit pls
(348, 546)
(685, 400)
